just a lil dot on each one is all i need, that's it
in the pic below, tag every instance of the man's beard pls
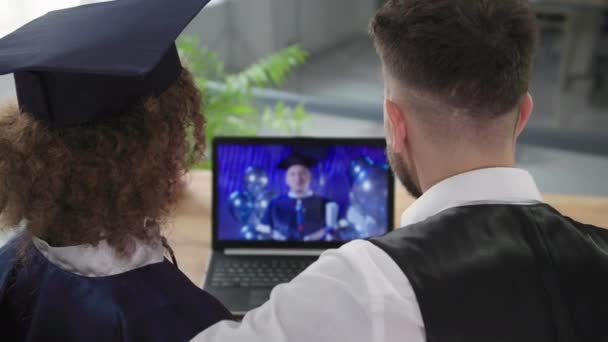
(404, 174)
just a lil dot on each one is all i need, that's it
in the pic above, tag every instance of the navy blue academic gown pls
(294, 222)
(41, 302)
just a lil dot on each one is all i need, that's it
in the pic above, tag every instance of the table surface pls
(189, 231)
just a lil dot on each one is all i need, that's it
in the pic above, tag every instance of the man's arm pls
(342, 297)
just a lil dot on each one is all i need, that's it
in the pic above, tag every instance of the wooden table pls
(189, 232)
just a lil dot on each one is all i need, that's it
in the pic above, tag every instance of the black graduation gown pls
(41, 302)
(282, 215)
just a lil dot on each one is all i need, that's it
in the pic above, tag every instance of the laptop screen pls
(321, 192)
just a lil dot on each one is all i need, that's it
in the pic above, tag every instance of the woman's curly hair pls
(114, 181)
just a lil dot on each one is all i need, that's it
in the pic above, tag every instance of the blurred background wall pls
(566, 146)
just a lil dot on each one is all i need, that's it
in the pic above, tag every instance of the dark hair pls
(472, 55)
(115, 180)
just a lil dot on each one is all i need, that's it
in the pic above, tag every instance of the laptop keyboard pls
(253, 271)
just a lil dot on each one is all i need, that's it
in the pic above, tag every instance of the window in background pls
(15, 13)
(570, 80)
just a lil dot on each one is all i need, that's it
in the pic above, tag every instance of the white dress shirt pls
(358, 293)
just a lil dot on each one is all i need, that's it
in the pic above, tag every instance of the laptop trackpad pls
(258, 297)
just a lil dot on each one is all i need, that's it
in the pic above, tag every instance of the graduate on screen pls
(300, 215)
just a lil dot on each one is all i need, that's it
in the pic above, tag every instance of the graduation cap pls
(90, 63)
(297, 159)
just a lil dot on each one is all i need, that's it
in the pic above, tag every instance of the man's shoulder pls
(352, 255)
(459, 227)
(356, 246)
(492, 215)
(588, 228)
(445, 221)
(360, 257)
(358, 264)
(485, 226)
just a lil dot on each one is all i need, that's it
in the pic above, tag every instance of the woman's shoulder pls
(154, 302)
(159, 300)
(12, 249)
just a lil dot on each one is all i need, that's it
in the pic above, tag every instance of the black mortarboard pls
(90, 63)
(297, 159)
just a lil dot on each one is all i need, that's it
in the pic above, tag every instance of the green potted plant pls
(230, 109)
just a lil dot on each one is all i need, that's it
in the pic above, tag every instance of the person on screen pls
(480, 257)
(91, 160)
(299, 215)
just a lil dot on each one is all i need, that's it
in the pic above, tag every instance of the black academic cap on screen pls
(89, 63)
(297, 159)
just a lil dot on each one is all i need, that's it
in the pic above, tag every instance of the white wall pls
(243, 31)
(7, 88)
(212, 28)
(254, 34)
(325, 23)
(320, 24)
(15, 13)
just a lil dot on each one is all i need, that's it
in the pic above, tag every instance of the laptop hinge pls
(276, 251)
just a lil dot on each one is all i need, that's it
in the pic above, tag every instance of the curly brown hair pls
(116, 180)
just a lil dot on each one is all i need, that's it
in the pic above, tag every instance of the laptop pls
(278, 203)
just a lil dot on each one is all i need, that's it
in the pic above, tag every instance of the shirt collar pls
(484, 186)
(308, 194)
(100, 260)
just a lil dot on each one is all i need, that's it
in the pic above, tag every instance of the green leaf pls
(273, 70)
(231, 110)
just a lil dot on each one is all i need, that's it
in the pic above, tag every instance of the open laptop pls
(278, 203)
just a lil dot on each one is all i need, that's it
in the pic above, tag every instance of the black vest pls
(512, 273)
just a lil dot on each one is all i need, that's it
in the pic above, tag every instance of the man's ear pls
(525, 111)
(396, 125)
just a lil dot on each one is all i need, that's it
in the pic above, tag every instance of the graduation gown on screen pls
(295, 218)
(41, 301)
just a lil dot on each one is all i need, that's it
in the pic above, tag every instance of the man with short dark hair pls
(480, 257)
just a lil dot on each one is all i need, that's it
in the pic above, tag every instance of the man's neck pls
(452, 166)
